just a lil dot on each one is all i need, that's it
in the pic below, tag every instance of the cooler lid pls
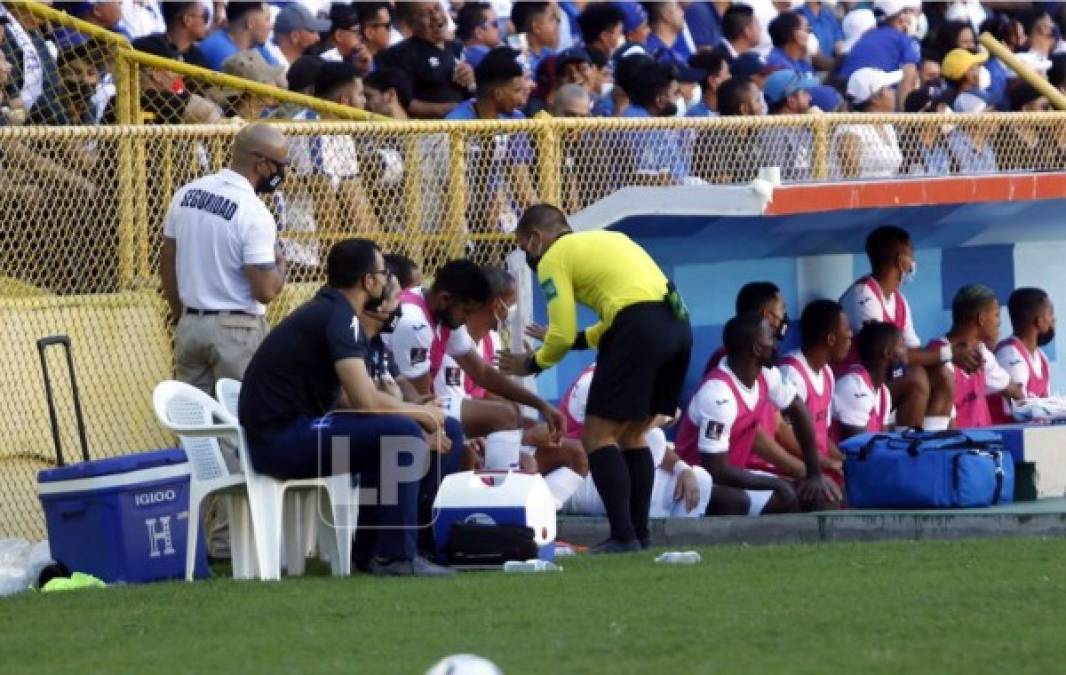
(113, 465)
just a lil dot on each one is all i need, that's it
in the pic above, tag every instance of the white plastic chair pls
(199, 421)
(337, 501)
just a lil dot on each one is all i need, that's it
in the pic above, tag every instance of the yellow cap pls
(958, 61)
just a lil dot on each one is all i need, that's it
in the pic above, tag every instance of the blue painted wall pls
(710, 259)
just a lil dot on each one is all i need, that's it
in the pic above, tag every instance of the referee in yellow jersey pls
(644, 341)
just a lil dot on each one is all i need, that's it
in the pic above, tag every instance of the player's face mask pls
(389, 325)
(911, 273)
(782, 329)
(1046, 338)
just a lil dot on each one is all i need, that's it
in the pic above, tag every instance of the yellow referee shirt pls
(605, 271)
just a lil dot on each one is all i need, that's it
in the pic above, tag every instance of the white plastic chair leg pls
(344, 511)
(193, 531)
(265, 495)
(242, 537)
(292, 533)
(309, 507)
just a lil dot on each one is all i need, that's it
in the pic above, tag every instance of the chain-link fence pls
(81, 213)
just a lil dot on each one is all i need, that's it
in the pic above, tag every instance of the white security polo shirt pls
(219, 225)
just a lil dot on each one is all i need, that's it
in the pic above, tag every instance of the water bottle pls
(679, 558)
(533, 565)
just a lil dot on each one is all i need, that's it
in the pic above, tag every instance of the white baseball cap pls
(855, 25)
(890, 8)
(865, 82)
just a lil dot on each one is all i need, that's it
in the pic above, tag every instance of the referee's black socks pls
(641, 467)
(611, 477)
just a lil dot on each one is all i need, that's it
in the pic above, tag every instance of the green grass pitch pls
(925, 607)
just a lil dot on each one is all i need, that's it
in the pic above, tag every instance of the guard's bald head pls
(257, 141)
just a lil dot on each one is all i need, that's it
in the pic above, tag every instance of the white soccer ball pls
(464, 664)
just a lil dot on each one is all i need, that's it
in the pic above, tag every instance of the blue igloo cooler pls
(122, 518)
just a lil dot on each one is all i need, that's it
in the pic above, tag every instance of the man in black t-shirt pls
(439, 80)
(296, 379)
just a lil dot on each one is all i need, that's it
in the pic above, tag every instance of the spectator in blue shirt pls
(753, 67)
(740, 32)
(789, 33)
(788, 92)
(478, 30)
(889, 47)
(971, 147)
(704, 21)
(925, 151)
(296, 31)
(716, 70)
(248, 28)
(106, 15)
(501, 161)
(658, 155)
(635, 22)
(601, 25)
(826, 27)
(667, 21)
(539, 21)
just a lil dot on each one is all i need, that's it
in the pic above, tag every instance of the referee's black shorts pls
(641, 364)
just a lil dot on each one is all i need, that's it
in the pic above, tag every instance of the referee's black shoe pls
(616, 546)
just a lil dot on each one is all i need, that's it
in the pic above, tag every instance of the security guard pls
(644, 341)
(220, 264)
(220, 261)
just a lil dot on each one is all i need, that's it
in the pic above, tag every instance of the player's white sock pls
(935, 423)
(563, 482)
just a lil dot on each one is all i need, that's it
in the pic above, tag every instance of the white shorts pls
(758, 499)
(586, 500)
(452, 407)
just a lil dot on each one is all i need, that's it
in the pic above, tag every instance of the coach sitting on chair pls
(297, 377)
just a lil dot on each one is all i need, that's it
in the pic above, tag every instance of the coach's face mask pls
(533, 259)
(895, 370)
(272, 182)
(389, 325)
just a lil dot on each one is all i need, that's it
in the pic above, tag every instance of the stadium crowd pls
(503, 60)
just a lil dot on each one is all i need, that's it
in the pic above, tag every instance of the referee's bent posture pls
(644, 341)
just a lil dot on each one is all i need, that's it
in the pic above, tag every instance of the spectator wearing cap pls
(971, 144)
(187, 24)
(248, 64)
(539, 22)
(856, 23)
(788, 92)
(344, 42)
(479, 30)
(248, 27)
(704, 22)
(439, 82)
(790, 34)
(732, 155)
(659, 156)
(826, 27)
(163, 93)
(868, 150)
(827, 99)
(925, 151)
(634, 22)
(690, 87)
(375, 25)
(752, 66)
(626, 60)
(961, 69)
(716, 71)
(889, 47)
(296, 31)
(1025, 145)
(570, 66)
(602, 29)
(740, 32)
(504, 160)
(668, 32)
(583, 162)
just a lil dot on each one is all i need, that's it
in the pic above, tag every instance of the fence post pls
(126, 74)
(548, 159)
(412, 186)
(455, 216)
(821, 147)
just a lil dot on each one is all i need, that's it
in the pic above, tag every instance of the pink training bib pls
(440, 333)
(876, 422)
(971, 403)
(1036, 386)
(742, 435)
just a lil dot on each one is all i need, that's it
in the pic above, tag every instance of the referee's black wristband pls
(581, 342)
(532, 366)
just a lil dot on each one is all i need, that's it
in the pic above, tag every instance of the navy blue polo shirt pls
(292, 374)
(885, 48)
